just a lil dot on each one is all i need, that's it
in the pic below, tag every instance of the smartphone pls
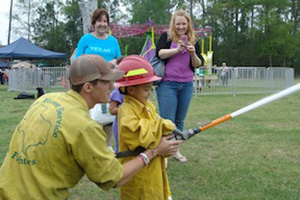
(184, 38)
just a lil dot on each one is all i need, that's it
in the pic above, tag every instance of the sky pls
(4, 21)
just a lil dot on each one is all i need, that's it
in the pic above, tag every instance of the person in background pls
(99, 42)
(175, 91)
(216, 73)
(57, 143)
(6, 77)
(140, 126)
(2, 81)
(224, 74)
(116, 99)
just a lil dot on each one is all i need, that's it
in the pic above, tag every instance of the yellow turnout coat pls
(140, 125)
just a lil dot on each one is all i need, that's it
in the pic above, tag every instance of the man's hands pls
(168, 147)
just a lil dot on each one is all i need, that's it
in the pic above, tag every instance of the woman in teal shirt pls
(99, 42)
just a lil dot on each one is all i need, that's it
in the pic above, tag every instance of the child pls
(140, 125)
(116, 99)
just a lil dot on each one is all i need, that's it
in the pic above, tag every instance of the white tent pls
(24, 65)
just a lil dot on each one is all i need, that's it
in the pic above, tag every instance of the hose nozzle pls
(186, 134)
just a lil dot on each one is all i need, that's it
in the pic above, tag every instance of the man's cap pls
(89, 67)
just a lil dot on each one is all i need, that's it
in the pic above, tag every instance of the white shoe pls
(180, 158)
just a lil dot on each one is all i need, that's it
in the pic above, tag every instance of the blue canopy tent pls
(3, 64)
(23, 49)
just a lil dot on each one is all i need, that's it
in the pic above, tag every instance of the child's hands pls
(168, 147)
(113, 107)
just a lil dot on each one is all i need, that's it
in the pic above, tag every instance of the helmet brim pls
(137, 82)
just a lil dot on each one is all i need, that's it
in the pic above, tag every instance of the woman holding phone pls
(181, 54)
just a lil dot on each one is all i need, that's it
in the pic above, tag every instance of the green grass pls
(253, 156)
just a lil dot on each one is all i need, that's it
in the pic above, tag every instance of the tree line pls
(245, 32)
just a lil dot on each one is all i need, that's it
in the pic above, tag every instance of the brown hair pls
(78, 88)
(97, 14)
(190, 31)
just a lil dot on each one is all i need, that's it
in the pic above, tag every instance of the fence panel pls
(51, 79)
(243, 80)
(238, 80)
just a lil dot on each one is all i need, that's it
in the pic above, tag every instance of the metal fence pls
(243, 80)
(239, 80)
(51, 79)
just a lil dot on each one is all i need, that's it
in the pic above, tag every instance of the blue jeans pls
(174, 99)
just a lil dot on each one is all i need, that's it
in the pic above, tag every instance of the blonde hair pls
(190, 31)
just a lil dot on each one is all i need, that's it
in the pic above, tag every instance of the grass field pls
(253, 156)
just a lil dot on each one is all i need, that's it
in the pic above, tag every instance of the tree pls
(73, 26)
(144, 10)
(24, 17)
(49, 31)
(273, 29)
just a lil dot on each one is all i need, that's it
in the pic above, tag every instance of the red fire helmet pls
(137, 71)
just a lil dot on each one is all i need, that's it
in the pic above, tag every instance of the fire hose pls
(187, 134)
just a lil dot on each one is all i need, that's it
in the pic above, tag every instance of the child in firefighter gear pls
(141, 126)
